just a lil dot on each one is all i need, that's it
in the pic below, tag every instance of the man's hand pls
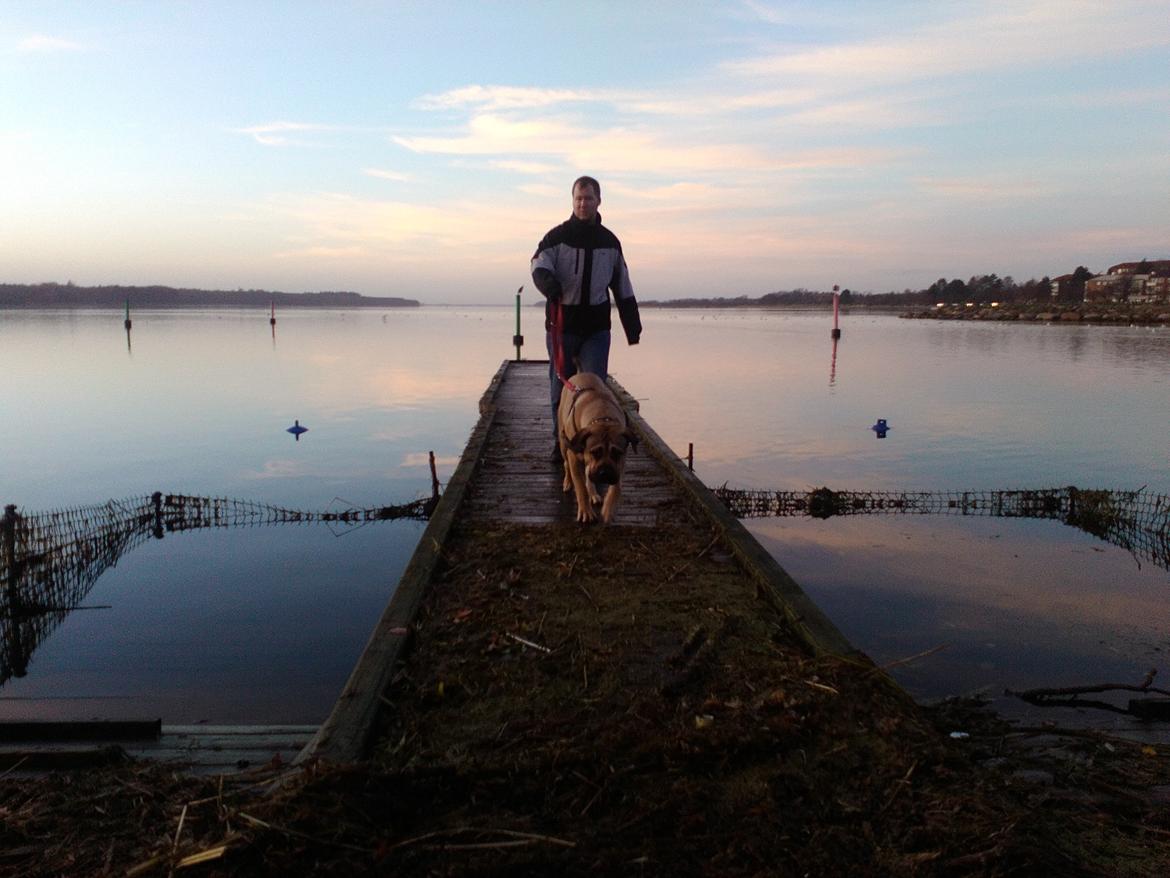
(547, 283)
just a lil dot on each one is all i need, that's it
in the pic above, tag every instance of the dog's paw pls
(585, 514)
(594, 497)
(567, 485)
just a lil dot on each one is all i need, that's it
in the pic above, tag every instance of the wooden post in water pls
(836, 333)
(8, 537)
(126, 322)
(434, 479)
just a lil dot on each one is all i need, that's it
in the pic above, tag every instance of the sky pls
(422, 149)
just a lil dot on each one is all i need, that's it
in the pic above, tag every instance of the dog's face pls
(603, 450)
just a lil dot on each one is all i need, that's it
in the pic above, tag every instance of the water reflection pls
(50, 561)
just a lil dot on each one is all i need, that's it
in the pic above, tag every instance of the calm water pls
(263, 624)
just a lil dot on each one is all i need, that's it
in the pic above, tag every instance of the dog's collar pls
(605, 418)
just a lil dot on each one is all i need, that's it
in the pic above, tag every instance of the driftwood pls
(1068, 696)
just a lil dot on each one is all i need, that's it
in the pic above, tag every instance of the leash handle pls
(559, 344)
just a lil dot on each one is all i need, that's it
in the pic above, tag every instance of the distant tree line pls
(797, 297)
(69, 295)
(985, 288)
(981, 289)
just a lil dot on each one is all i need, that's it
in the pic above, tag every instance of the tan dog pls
(594, 436)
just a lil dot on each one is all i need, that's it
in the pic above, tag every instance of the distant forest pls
(980, 289)
(68, 295)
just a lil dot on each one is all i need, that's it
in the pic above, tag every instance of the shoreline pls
(1111, 313)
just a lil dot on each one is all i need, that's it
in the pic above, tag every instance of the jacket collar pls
(596, 221)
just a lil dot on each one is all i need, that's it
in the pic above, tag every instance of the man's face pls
(585, 202)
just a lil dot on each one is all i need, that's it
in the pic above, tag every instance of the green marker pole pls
(127, 321)
(518, 339)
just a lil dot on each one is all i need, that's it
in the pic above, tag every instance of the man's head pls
(586, 198)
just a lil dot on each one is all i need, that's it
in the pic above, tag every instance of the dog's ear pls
(577, 443)
(631, 439)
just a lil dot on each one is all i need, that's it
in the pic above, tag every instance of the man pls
(576, 264)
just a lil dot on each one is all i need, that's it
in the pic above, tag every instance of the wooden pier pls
(507, 476)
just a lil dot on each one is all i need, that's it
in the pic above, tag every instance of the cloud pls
(996, 37)
(541, 190)
(436, 234)
(321, 253)
(625, 150)
(396, 176)
(274, 133)
(505, 97)
(522, 167)
(984, 188)
(45, 43)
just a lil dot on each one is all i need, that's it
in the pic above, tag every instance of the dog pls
(594, 436)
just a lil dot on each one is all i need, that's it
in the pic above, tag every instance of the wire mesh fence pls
(50, 560)
(1137, 521)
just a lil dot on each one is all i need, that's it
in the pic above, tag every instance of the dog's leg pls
(594, 494)
(585, 511)
(566, 465)
(611, 500)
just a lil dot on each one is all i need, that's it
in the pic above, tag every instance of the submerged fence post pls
(157, 530)
(8, 529)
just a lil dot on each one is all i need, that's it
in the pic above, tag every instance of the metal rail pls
(1134, 520)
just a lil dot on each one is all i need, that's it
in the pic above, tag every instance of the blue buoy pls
(881, 428)
(296, 429)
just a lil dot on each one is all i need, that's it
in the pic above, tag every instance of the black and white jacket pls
(578, 263)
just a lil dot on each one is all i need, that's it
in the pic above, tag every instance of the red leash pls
(558, 345)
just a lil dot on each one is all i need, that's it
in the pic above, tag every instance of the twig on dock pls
(585, 592)
(708, 547)
(179, 831)
(817, 685)
(910, 658)
(256, 821)
(527, 642)
(527, 837)
(15, 765)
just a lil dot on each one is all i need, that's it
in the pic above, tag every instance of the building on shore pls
(1145, 281)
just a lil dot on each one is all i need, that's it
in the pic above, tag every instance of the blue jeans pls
(593, 354)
